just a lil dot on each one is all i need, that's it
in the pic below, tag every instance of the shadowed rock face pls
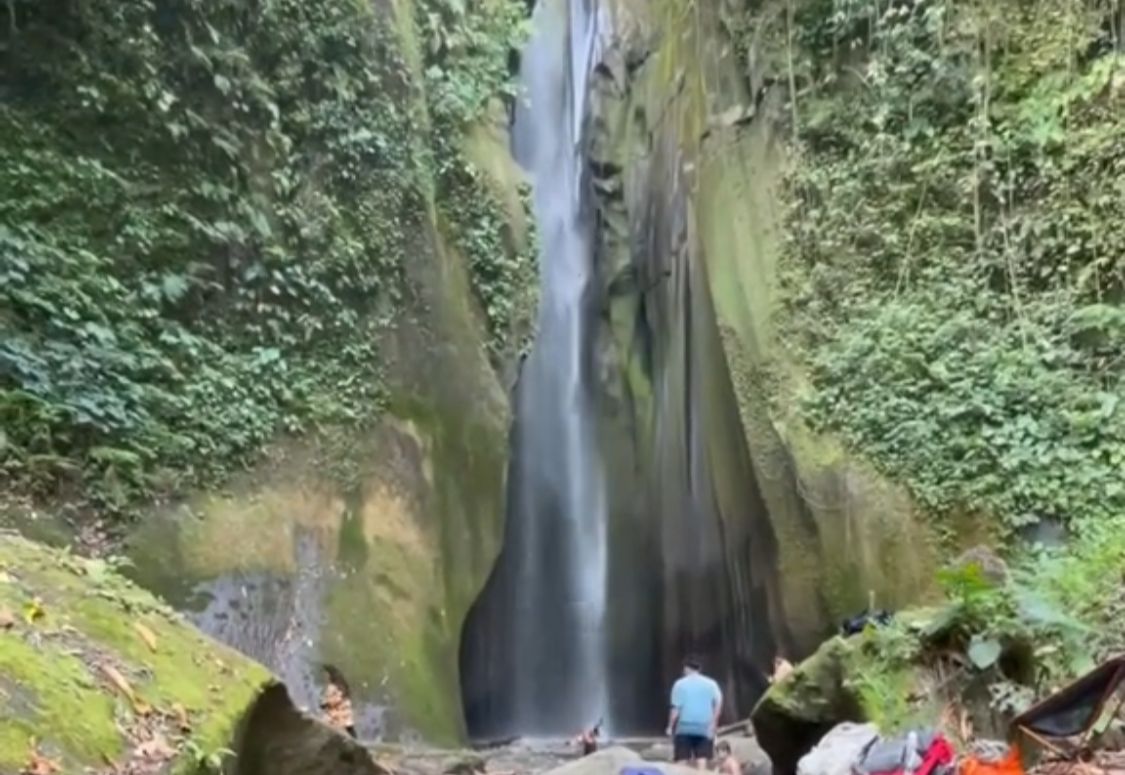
(278, 740)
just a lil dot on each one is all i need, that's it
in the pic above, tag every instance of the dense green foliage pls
(954, 268)
(1056, 615)
(208, 213)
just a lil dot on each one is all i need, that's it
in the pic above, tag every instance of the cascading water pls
(552, 574)
(613, 569)
(560, 515)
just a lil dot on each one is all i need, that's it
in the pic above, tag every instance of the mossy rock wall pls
(363, 546)
(94, 669)
(772, 532)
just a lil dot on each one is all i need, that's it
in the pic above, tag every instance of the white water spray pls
(560, 679)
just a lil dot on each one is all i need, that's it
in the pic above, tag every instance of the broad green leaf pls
(984, 652)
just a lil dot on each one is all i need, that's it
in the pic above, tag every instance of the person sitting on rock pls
(781, 668)
(336, 702)
(727, 764)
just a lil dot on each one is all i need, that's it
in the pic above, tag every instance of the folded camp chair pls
(1072, 711)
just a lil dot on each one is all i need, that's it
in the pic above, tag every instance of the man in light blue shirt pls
(696, 703)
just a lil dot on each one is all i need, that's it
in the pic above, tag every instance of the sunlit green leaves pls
(205, 222)
(953, 273)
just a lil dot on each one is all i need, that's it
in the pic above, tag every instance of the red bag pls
(939, 754)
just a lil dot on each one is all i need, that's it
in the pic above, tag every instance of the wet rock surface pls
(556, 757)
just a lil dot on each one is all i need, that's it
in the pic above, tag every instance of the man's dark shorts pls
(691, 747)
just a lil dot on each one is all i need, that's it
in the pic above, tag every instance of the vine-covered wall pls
(265, 269)
(208, 218)
(953, 276)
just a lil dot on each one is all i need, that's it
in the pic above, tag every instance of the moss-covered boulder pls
(801, 708)
(95, 671)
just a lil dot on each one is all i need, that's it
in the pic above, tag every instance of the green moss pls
(395, 644)
(412, 542)
(57, 690)
(186, 668)
(51, 696)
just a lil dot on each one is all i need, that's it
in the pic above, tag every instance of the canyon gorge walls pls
(755, 535)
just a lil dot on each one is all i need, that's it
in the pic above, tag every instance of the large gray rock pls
(660, 751)
(610, 761)
(838, 750)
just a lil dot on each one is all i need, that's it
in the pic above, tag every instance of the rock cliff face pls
(755, 535)
(364, 550)
(356, 546)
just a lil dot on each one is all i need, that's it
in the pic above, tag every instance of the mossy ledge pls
(95, 672)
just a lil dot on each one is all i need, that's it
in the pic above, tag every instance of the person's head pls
(778, 661)
(336, 678)
(692, 665)
(722, 748)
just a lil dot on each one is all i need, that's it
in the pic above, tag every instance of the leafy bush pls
(954, 271)
(1060, 611)
(205, 222)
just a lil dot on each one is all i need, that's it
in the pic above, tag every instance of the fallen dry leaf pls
(147, 635)
(7, 619)
(182, 720)
(33, 611)
(119, 682)
(38, 764)
(156, 749)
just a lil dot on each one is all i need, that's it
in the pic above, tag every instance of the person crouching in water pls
(337, 702)
(725, 761)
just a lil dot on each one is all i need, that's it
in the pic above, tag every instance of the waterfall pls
(557, 522)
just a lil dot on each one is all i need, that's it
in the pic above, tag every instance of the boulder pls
(279, 740)
(660, 751)
(750, 755)
(608, 761)
(796, 712)
(992, 569)
(464, 764)
(838, 750)
(98, 672)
